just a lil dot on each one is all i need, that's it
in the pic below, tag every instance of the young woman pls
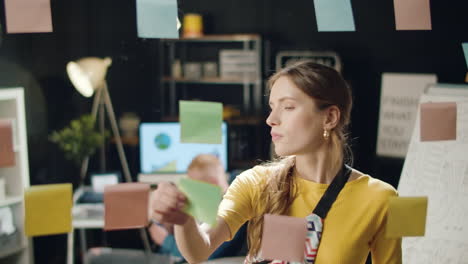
(310, 110)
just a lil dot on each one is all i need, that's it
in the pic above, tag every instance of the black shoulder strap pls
(332, 192)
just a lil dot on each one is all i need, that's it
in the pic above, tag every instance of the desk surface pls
(88, 223)
(160, 177)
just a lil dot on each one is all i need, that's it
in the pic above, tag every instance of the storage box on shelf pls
(15, 247)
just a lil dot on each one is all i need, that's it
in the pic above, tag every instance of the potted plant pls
(79, 140)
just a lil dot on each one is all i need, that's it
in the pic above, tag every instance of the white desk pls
(90, 216)
(85, 216)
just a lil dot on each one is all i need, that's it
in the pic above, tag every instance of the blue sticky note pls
(334, 15)
(157, 18)
(465, 51)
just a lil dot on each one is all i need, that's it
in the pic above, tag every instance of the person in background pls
(310, 111)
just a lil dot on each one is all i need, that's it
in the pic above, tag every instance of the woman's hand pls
(166, 204)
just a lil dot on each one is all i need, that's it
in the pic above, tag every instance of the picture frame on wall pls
(329, 58)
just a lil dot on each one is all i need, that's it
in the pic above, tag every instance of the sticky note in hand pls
(203, 199)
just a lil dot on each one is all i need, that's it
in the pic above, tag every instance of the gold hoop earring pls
(326, 134)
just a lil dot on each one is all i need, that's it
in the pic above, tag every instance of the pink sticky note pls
(28, 16)
(438, 121)
(126, 206)
(412, 15)
(7, 155)
(283, 238)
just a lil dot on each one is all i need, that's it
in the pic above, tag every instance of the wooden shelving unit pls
(17, 248)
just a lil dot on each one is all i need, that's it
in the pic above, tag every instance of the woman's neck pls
(316, 167)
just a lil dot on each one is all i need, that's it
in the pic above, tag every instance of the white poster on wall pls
(399, 100)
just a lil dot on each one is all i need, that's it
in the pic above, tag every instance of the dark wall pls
(81, 28)
(108, 28)
(375, 47)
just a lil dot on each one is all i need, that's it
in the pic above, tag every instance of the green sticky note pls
(200, 122)
(203, 199)
(406, 216)
(48, 209)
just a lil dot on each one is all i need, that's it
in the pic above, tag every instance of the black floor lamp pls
(88, 76)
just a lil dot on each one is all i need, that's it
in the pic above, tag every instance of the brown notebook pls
(7, 155)
(126, 206)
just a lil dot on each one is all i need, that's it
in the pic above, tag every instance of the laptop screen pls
(161, 150)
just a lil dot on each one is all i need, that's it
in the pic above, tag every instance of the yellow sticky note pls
(48, 209)
(406, 216)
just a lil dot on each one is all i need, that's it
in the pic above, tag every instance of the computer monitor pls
(162, 152)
